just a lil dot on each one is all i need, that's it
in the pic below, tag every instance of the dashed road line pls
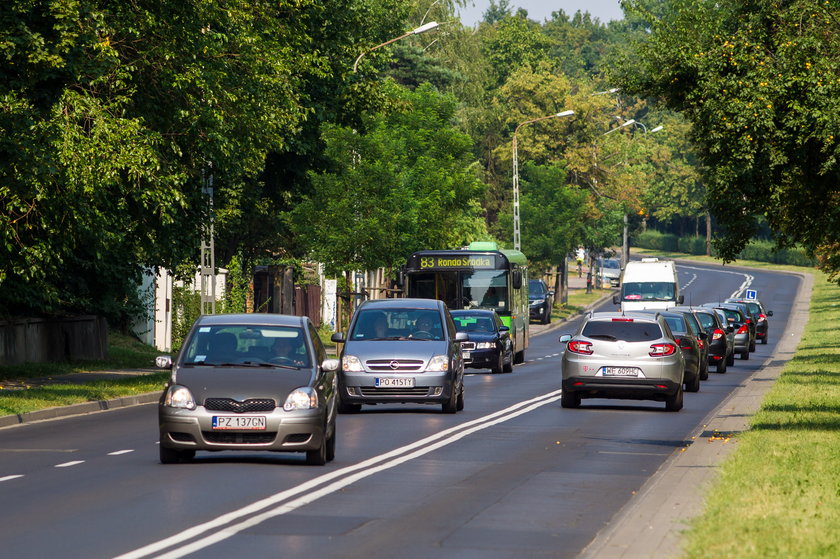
(118, 452)
(68, 464)
(7, 478)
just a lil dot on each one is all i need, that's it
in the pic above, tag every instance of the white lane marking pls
(7, 478)
(693, 277)
(118, 452)
(363, 469)
(68, 464)
(64, 450)
(748, 279)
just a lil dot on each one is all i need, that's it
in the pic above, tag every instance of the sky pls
(540, 10)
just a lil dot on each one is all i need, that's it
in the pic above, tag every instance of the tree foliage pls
(758, 80)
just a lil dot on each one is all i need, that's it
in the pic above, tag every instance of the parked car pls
(490, 346)
(689, 344)
(738, 321)
(249, 382)
(759, 316)
(628, 356)
(401, 351)
(719, 337)
(540, 301)
(611, 271)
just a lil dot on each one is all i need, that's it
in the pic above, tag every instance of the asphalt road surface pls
(512, 476)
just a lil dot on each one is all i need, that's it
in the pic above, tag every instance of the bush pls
(760, 251)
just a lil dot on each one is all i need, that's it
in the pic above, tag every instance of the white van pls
(649, 283)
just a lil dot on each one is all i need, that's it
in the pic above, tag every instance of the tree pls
(758, 81)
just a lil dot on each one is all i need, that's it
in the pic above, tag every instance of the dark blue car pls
(490, 346)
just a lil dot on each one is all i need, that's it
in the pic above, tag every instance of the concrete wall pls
(37, 340)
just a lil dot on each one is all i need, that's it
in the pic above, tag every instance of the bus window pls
(487, 289)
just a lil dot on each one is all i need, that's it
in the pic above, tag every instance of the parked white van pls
(649, 283)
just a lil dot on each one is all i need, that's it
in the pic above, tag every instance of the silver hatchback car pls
(401, 351)
(627, 356)
(250, 382)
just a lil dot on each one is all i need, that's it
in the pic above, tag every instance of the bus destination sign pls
(474, 261)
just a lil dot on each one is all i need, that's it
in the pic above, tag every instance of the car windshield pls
(622, 330)
(613, 264)
(397, 324)
(536, 288)
(473, 323)
(248, 345)
(648, 291)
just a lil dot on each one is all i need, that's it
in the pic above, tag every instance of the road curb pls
(652, 522)
(78, 409)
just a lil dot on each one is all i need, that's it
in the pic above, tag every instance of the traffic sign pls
(752, 294)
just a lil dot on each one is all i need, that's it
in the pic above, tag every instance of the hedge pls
(761, 251)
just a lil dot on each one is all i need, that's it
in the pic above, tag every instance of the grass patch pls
(42, 397)
(579, 299)
(779, 494)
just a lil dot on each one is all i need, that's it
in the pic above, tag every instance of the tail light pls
(717, 334)
(685, 343)
(662, 350)
(578, 346)
(762, 317)
(743, 329)
(701, 344)
(749, 321)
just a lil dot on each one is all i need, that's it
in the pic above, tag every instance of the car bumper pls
(429, 388)
(630, 389)
(284, 431)
(717, 351)
(482, 358)
(537, 312)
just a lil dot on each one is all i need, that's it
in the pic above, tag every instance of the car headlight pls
(178, 396)
(535, 303)
(351, 364)
(485, 345)
(438, 363)
(304, 398)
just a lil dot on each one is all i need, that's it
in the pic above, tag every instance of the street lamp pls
(516, 237)
(422, 29)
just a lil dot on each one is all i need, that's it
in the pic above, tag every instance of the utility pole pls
(208, 252)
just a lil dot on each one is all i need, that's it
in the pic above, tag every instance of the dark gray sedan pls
(249, 382)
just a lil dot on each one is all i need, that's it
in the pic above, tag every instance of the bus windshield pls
(486, 289)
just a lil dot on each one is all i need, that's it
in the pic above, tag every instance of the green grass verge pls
(778, 495)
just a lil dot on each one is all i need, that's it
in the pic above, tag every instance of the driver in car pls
(285, 350)
(423, 327)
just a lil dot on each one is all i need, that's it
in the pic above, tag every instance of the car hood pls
(242, 383)
(482, 336)
(396, 349)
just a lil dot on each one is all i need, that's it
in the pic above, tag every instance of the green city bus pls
(480, 276)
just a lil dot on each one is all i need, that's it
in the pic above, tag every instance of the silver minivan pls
(401, 351)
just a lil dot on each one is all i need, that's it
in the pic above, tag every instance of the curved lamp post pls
(422, 29)
(516, 236)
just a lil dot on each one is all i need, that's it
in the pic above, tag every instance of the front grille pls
(216, 437)
(394, 392)
(395, 365)
(233, 406)
(468, 346)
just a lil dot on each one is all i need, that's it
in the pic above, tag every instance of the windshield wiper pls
(604, 337)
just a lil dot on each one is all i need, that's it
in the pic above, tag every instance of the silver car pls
(401, 351)
(627, 356)
(249, 382)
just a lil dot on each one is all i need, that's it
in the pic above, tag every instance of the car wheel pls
(508, 367)
(752, 346)
(674, 402)
(331, 444)
(730, 358)
(173, 456)
(500, 363)
(451, 405)
(547, 315)
(459, 403)
(745, 354)
(694, 385)
(318, 457)
(721, 365)
(519, 357)
(569, 399)
(704, 372)
(348, 408)
(764, 340)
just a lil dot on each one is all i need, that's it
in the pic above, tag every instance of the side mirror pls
(338, 338)
(730, 328)
(680, 299)
(704, 336)
(504, 328)
(401, 277)
(462, 337)
(330, 365)
(163, 362)
(565, 338)
(769, 313)
(516, 278)
(551, 292)
(616, 300)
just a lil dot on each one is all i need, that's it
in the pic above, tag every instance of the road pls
(512, 476)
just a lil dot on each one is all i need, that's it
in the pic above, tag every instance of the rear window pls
(706, 320)
(627, 331)
(677, 325)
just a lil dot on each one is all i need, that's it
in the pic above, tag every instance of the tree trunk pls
(708, 234)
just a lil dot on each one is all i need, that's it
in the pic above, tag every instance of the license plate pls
(465, 354)
(398, 382)
(240, 422)
(621, 371)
